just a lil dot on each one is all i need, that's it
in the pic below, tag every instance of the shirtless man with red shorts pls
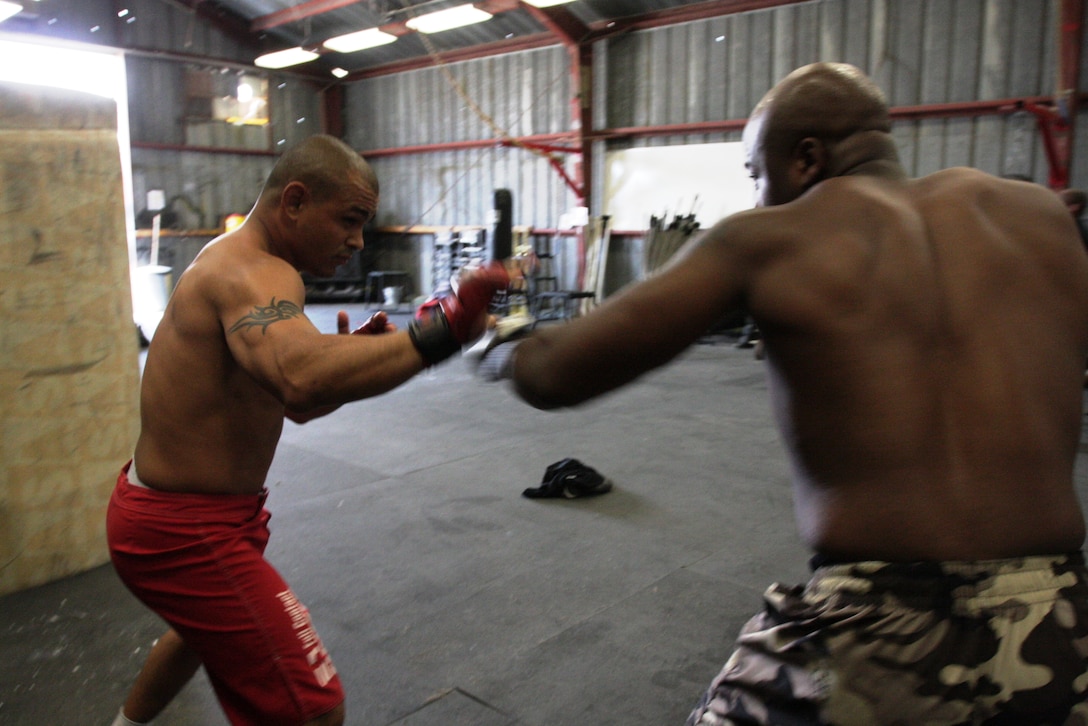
(925, 342)
(233, 355)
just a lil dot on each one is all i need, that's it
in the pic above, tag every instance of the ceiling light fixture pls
(547, 3)
(363, 39)
(338, 72)
(447, 19)
(7, 9)
(284, 58)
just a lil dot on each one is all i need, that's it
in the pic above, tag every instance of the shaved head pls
(828, 101)
(821, 121)
(322, 163)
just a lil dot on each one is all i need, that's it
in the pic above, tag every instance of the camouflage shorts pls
(995, 642)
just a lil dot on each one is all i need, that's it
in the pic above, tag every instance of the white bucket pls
(151, 288)
(392, 295)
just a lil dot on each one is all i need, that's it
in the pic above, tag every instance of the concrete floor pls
(443, 595)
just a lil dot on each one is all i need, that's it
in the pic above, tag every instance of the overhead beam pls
(687, 14)
(308, 9)
(312, 8)
(556, 19)
(997, 107)
(560, 21)
(484, 50)
(231, 24)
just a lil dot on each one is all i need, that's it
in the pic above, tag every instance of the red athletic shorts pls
(198, 561)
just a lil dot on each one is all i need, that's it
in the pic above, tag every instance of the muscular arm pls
(275, 343)
(637, 330)
(376, 325)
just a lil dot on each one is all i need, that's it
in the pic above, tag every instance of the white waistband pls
(132, 478)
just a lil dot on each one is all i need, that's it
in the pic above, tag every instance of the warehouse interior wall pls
(922, 54)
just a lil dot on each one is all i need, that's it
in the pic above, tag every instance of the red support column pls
(581, 64)
(333, 107)
(1061, 129)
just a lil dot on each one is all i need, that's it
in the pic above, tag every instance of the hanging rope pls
(459, 88)
(483, 116)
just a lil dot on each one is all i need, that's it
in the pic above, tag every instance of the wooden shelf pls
(181, 232)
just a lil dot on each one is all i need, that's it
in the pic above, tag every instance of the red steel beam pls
(969, 108)
(940, 110)
(598, 31)
(564, 25)
(298, 12)
(537, 140)
(486, 50)
(312, 8)
(684, 14)
(698, 127)
(549, 142)
(1058, 128)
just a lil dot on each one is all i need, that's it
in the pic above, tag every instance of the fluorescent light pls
(369, 38)
(547, 3)
(284, 58)
(454, 17)
(339, 72)
(7, 9)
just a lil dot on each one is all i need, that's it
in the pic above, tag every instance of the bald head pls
(828, 101)
(323, 164)
(823, 120)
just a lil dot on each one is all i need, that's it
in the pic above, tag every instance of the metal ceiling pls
(278, 24)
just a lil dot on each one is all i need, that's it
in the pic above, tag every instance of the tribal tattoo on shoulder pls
(264, 315)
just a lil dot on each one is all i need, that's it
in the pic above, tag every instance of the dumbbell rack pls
(455, 250)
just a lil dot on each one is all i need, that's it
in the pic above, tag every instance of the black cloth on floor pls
(570, 479)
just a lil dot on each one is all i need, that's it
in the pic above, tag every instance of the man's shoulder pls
(962, 179)
(235, 260)
(227, 276)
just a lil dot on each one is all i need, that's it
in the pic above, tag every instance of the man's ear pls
(809, 161)
(293, 196)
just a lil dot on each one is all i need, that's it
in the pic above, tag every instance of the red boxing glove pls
(443, 324)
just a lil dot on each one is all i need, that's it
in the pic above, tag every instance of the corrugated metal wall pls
(166, 27)
(522, 94)
(208, 185)
(919, 51)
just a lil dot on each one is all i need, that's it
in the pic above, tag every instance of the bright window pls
(87, 68)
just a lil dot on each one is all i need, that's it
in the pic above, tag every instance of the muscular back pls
(206, 424)
(927, 358)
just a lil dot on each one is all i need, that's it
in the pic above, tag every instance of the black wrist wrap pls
(433, 339)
